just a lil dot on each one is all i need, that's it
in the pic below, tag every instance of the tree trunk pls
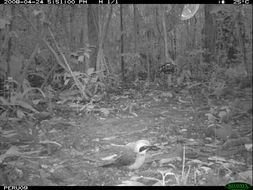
(165, 36)
(93, 33)
(209, 34)
(122, 43)
(72, 27)
(173, 17)
(136, 32)
(170, 20)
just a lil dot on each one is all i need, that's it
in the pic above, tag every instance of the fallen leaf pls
(131, 183)
(246, 175)
(109, 138)
(248, 147)
(217, 158)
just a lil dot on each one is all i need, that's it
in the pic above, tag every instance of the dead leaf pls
(109, 138)
(105, 111)
(217, 158)
(157, 184)
(246, 175)
(248, 147)
(131, 183)
(167, 160)
(12, 151)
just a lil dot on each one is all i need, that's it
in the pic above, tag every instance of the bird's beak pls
(154, 148)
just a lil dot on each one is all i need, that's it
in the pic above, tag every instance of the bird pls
(133, 157)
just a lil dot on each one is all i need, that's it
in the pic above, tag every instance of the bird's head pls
(142, 146)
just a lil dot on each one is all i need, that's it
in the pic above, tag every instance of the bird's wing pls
(125, 159)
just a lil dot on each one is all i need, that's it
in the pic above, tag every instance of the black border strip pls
(71, 2)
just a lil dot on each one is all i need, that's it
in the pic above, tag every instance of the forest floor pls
(206, 137)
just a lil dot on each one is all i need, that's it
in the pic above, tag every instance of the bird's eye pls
(143, 148)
